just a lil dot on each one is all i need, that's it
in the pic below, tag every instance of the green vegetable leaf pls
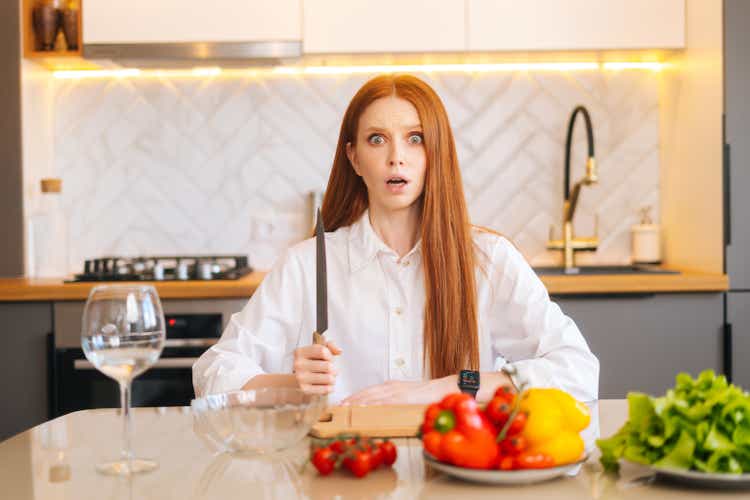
(718, 441)
(681, 456)
(700, 424)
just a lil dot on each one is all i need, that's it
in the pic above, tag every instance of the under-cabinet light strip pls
(344, 70)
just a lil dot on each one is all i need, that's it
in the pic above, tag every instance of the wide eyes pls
(415, 139)
(378, 139)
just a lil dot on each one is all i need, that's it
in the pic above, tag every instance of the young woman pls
(415, 292)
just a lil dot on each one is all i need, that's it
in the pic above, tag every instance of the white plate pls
(703, 479)
(523, 476)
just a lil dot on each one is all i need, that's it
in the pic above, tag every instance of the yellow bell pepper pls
(554, 420)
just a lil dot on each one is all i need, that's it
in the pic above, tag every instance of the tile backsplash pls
(225, 164)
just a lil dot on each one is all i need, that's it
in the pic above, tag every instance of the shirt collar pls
(365, 244)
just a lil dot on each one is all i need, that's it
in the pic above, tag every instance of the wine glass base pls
(127, 467)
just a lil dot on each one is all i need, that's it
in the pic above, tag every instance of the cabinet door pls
(737, 109)
(643, 342)
(163, 21)
(24, 363)
(575, 24)
(333, 26)
(738, 315)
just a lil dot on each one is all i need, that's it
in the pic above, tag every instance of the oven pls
(192, 326)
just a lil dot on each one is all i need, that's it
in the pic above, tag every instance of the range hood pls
(183, 54)
(169, 33)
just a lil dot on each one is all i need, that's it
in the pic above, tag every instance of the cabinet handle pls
(727, 348)
(727, 194)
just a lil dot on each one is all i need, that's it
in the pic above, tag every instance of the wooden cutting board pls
(372, 421)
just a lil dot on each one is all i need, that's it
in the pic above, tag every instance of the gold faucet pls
(569, 242)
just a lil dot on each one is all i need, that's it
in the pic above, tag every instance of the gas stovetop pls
(165, 268)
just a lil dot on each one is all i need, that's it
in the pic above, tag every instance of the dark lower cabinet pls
(24, 328)
(738, 316)
(642, 342)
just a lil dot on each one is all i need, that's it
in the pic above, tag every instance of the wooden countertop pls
(54, 289)
(27, 289)
(57, 460)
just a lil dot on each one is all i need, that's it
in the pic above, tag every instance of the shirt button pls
(398, 311)
(400, 362)
(405, 263)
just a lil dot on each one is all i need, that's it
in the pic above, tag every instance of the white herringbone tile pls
(224, 165)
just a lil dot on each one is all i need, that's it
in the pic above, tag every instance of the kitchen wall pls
(164, 165)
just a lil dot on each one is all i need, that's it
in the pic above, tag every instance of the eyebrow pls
(411, 127)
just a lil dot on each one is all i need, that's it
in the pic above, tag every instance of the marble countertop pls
(56, 460)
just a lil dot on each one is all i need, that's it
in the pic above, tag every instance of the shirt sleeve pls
(259, 339)
(531, 336)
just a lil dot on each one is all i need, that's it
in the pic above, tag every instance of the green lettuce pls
(700, 424)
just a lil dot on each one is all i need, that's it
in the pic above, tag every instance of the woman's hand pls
(404, 392)
(313, 367)
(424, 392)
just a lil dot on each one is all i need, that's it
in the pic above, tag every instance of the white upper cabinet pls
(164, 21)
(366, 26)
(505, 25)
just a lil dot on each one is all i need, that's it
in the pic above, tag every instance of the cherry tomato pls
(431, 442)
(507, 463)
(518, 423)
(378, 455)
(498, 410)
(506, 394)
(528, 460)
(324, 459)
(513, 445)
(445, 421)
(390, 453)
(339, 446)
(360, 463)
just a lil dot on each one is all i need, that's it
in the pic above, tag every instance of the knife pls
(321, 283)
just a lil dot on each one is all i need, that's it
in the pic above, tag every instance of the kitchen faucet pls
(569, 243)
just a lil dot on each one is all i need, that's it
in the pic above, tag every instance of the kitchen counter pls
(26, 289)
(56, 460)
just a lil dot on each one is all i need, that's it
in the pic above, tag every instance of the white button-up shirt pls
(376, 313)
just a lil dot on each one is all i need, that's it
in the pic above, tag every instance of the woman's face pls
(389, 154)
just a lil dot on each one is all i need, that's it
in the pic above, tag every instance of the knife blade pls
(321, 283)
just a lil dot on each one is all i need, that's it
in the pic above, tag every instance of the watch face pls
(469, 378)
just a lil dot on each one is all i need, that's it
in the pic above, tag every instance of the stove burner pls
(179, 268)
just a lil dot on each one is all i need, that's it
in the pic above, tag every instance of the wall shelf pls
(52, 59)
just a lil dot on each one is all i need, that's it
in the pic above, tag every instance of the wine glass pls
(122, 336)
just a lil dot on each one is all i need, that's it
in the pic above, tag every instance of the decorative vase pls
(69, 23)
(46, 19)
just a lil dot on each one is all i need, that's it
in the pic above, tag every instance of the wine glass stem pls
(127, 453)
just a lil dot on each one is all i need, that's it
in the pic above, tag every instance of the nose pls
(395, 156)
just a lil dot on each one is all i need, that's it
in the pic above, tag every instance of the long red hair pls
(451, 340)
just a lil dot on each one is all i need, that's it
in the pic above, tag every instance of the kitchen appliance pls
(192, 326)
(164, 268)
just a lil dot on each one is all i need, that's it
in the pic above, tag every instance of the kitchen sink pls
(589, 270)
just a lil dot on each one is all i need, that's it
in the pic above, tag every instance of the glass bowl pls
(256, 421)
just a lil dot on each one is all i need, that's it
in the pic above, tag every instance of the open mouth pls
(397, 180)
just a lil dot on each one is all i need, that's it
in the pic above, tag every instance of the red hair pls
(451, 339)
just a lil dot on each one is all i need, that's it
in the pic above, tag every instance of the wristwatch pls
(468, 382)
